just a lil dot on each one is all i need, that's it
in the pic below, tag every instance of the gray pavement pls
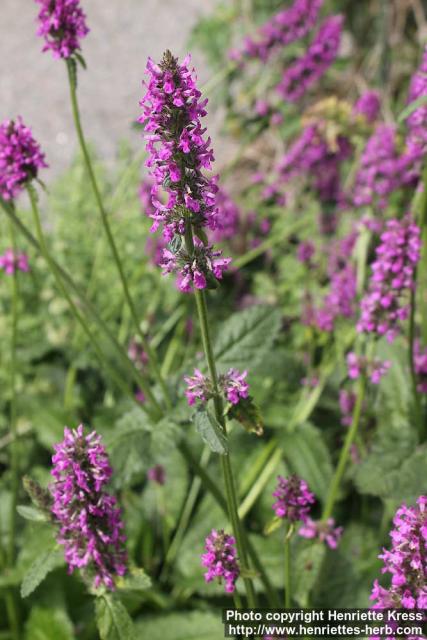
(123, 33)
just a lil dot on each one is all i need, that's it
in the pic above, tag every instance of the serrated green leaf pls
(308, 456)
(48, 624)
(31, 513)
(135, 580)
(187, 625)
(38, 571)
(306, 570)
(113, 620)
(246, 337)
(210, 430)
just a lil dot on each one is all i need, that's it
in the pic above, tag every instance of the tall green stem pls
(417, 399)
(288, 567)
(345, 452)
(79, 317)
(154, 365)
(230, 489)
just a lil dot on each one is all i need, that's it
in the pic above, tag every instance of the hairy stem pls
(288, 567)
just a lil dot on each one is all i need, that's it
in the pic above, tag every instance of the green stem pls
(84, 302)
(154, 365)
(345, 452)
(230, 490)
(288, 567)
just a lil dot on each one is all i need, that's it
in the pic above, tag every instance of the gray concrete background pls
(123, 33)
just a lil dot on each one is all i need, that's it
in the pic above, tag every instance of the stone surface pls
(123, 33)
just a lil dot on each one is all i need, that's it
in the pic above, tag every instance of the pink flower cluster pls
(360, 365)
(220, 559)
(406, 561)
(232, 384)
(62, 25)
(347, 400)
(382, 170)
(384, 305)
(91, 528)
(417, 120)
(420, 366)
(20, 158)
(321, 53)
(368, 105)
(286, 26)
(12, 262)
(178, 153)
(294, 499)
(324, 531)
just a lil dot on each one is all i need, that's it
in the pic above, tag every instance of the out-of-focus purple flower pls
(276, 119)
(368, 105)
(62, 25)
(199, 387)
(220, 559)
(262, 108)
(305, 252)
(232, 385)
(375, 369)
(382, 170)
(91, 528)
(420, 366)
(323, 531)
(406, 561)
(12, 262)
(157, 474)
(140, 396)
(417, 120)
(20, 158)
(347, 400)
(294, 499)
(137, 354)
(285, 27)
(305, 71)
(310, 381)
(385, 305)
(228, 216)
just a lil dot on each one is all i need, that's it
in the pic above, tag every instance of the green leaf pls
(306, 570)
(187, 625)
(31, 513)
(48, 624)
(135, 580)
(410, 108)
(113, 620)
(246, 337)
(210, 430)
(308, 456)
(248, 414)
(38, 571)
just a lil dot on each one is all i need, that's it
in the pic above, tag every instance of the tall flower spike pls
(220, 559)
(20, 158)
(406, 561)
(417, 120)
(178, 154)
(91, 528)
(293, 499)
(386, 303)
(62, 25)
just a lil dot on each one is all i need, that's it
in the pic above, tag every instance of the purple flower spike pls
(308, 69)
(417, 120)
(368, 105)
(62, 25)
(91, 528)
(12, 262)
(406, 561)
(221, 559)
(20, 158)
(324, 531)
(386, 303)
(293, 499)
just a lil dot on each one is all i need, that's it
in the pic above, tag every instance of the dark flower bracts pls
(91, 527)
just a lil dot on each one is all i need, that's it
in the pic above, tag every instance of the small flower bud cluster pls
(360, 365)
(62, 25)
(285, 27)
(12, 261)
(294, 499)
(307, 70)
(20, 158)
(178, 155)
(91, 528)
(323, 531)
(232, 385)
(386, 303)
(220, 559)
(406, 561)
